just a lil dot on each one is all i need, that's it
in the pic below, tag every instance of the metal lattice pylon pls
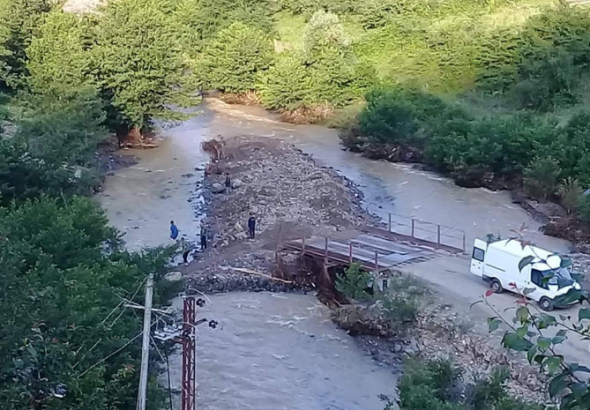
(189, 314)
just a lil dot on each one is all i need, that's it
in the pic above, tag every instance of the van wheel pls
(546, 304)
(496, 286)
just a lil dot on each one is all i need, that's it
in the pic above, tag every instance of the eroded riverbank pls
(137, 201)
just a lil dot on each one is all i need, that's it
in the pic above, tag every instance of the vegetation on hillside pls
(491, 92)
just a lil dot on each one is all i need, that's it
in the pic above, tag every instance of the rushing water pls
(281, 351)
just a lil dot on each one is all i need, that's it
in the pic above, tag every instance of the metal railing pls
(425, 231)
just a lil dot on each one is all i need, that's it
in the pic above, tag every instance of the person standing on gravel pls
(227, 181)
(203, 236)
(186, 248)
(252, 226)
(173, 231)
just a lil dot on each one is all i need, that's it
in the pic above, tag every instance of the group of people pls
(186, 246)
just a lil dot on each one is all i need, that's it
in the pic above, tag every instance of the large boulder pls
(217, 188)
(236, 183)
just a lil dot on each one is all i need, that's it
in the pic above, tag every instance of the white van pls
(498, 263)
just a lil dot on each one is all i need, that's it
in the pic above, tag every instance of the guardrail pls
(425, 231)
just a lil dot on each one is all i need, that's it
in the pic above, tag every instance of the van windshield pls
(560, 276)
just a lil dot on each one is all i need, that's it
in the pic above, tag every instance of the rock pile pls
(278, 184)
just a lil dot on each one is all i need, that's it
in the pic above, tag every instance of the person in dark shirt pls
(203, 236)
(173, 231)
(227, 181)
(252, 226)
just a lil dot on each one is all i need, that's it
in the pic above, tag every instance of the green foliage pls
(58, 58)
(402, 299)
(137, 62)
(438, 385)
(62, 273)
(327, 73)
(570, 193)
(324, 30)
(527, 333)
(354, 282)
(19, 22)
(208, 17)
(235, 57)
(62, 131)
(541, 177)
(400, 116)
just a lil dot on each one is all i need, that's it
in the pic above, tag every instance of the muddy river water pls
(281, 351)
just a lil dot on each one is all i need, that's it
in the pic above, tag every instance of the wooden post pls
(303, 245)
(463, 241)
(413, 228)
(438, 234)
(350, 252)
(389, 223)
(145, 346)
(326, 251)
(376, 262)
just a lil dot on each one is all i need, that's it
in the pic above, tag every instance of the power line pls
(109, 356)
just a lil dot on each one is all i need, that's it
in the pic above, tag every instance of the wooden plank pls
(380, 244)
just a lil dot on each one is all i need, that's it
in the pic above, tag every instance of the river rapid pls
(281, 351)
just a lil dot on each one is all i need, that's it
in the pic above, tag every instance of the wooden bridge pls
(380, 248)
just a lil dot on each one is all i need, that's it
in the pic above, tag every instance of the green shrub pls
(234, 58)
(438, 385)
(399, 116)
(570, 193)
(354, 282)
(541, 178)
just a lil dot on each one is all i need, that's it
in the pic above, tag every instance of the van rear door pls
(478, 256)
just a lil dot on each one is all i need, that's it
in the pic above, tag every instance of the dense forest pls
(492, 92)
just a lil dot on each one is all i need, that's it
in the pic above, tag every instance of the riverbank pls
(293, 197)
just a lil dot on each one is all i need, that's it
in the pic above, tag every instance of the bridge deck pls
(373, 252)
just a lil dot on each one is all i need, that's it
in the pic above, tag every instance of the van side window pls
(537, 278)
(478, 254)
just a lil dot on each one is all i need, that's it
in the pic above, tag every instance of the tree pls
(62, 131)
(62, 320)
(208, 17)
(326, 73)
(541, 178)
(19, 22)
(235, 57)
(353, 283)
(324, 30)
(58, 58)
(137, 63)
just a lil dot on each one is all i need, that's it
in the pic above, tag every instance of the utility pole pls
(145, 347)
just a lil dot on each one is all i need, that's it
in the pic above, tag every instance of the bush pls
(354, 282)
(438, 385)
(234, 58)
(541, 178)
(570, 193)
(403, 116)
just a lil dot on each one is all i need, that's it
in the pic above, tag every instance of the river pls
(281, 351)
